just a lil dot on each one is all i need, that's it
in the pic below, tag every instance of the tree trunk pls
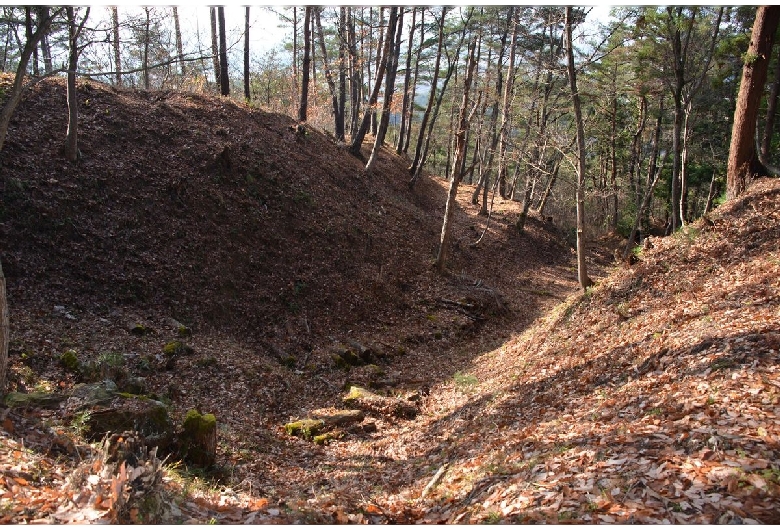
(224, 78)
(413, 169)
(215, 48)
(14, 95)
(145, 66)
(633, 165)
(340, 119)
(771, 112)
(414, 82)
(743, 160)
(27, 34)
(379, 46)
(357, 140)
(354, 78)
(504, 135)
(395, 20)
(460, 151)
(247, 93)
(117, 51)
(303, 109)
(179, 46)
(74, 31)
(582, 273)
(405, 104)
(334, 95)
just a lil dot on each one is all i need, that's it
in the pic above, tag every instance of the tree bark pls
(504, 135)
(771, 112)
(117, 51)
(224, 78)
(338, 125)
(303, 109)
(582, 273)
(406, 104)
(340, 119)
(145, 60)
(460, 150)
(215, 48)
(177, 36)
(743, 160)
(414, 82)
(74, 31)
(14, 95)
(413, 169)
(357, 140)
(247, 93)
(395, 21)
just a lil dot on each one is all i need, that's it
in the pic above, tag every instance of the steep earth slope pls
(272, 247)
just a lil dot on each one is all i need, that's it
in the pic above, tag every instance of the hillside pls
(651, 398)
(269, 245)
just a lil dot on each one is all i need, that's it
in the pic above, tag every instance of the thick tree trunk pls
(354, 78)
(117, 50)
(414, 82)
(460, 151)
(743, 160)
(224, 78)
(582, 273)
(303, 108)
(771, 113)
(395, 20)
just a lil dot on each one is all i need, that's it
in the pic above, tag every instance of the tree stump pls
(198, 441)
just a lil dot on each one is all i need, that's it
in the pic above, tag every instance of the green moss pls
(197, 423)
(33, 399)
(176, 347)
(306, 428)
(70, 360)
(184, 331)
(139, 330)
(324, 439)
(206, 362)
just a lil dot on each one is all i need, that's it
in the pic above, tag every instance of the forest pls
(409, 264)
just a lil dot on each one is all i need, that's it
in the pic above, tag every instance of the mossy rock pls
(326, 438)
(306, 429)
(363, 399)
(176, 347)
(94, 393)
(69, 359)
(183, 331)
(198, 441)
(33, 400)
(139, 330)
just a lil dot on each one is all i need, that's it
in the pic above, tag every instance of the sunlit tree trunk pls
(177, 36)
(215, 48)
(460, 151)
(743, 160)
(74, 31)
(145, 65)
(504, 134)
(117, 51)
(413, 169)
(582, 273)
(395, 21)
(406, 102)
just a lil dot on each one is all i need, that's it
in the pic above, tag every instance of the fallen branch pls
(435, 480)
